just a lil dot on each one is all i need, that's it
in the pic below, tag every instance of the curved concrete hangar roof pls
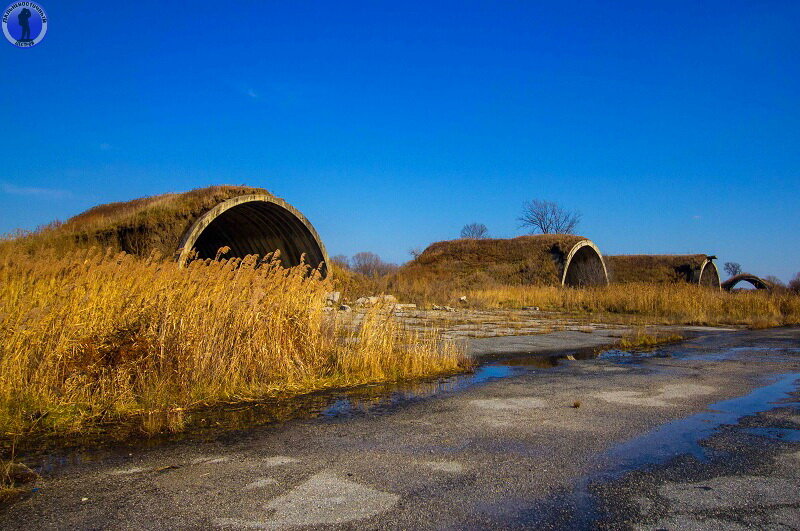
(756, 282)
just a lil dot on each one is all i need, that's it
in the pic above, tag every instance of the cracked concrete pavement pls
(510, 452)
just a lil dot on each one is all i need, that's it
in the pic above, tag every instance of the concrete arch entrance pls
(756, 282)
(709, 275)
(584, 266)
(255, 224)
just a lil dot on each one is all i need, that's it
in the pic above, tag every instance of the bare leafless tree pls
(475, 231)
(415, 252)
(794, 284)
(370, 264)
(365, 262)
(341, 260)
(548, 217)
(733, 268)
(775, 281)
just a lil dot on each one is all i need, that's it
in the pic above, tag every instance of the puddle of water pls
(389, 398)
(683, 436)
(214, 422)
(626, 356)
(730, 353)
(211, 423)
(676, 438)
(788, 350)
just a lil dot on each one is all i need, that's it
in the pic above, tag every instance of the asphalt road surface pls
(702, 435)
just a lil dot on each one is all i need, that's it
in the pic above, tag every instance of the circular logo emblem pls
(24, 24)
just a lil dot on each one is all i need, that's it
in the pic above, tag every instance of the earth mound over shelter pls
(545, 259)
(663, 268)
(196, 224)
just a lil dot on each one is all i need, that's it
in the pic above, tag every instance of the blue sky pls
(672, 126)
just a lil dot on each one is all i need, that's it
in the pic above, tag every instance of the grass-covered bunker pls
(663, 268)
(247, 220)
(545, 259)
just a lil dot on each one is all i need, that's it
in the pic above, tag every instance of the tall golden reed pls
(93, 335)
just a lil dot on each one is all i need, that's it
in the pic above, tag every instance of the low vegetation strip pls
(654, 303)
(641, 302)
(95, 336)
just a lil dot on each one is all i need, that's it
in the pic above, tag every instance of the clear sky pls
(672, 126)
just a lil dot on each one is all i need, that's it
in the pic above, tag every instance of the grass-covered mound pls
(470, 263)
(139, 227)
(655, 268)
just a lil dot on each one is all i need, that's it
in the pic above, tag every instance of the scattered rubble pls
(372, 301)
(366, 301)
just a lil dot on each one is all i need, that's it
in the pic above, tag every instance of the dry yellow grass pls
(656, 303)
(96, 336)
(634, 302)
(643, 339)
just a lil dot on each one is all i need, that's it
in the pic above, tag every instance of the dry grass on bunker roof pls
(652, 268)
(139, 226)
(469, 263)
(493, 250)
(148, 211)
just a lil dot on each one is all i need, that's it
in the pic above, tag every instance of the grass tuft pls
(642, 339)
